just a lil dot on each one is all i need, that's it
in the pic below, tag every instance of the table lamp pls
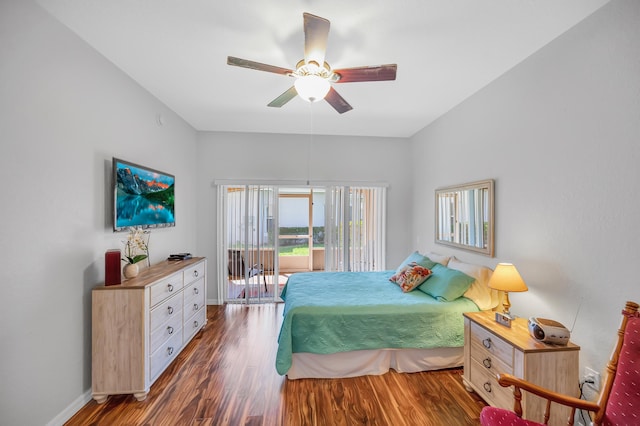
(506, 278)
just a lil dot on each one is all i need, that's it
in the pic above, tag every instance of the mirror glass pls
(464, 216)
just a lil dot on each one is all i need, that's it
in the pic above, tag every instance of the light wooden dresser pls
(491, 348)
(141, 325)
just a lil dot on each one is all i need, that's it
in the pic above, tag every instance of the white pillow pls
(438, 258)
(479, 291)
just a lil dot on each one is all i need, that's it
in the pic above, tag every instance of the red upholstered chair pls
(619, 400)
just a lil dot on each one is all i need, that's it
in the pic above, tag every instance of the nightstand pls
(491, 348)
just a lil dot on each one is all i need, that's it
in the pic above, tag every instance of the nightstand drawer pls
(486, 384)
(484, 342)
(489, 361)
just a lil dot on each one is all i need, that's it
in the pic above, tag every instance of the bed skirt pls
(372, 362)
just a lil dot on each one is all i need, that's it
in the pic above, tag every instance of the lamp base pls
(504, 319)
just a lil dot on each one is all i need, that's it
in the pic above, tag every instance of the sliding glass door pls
(268, 232)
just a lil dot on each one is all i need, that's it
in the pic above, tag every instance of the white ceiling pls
(446, 50)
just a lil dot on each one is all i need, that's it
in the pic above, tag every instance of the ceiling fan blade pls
(284, 98)
(374, 73)
(316, 34)
(337, 101)
(245, 63)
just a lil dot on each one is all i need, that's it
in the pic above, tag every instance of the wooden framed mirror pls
(464, 216)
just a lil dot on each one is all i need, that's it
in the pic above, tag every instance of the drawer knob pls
(487, 362)
(487, 387)
(195, 274)
(170, 330)
(195, 306)
(170, 310)
(196, 291)
(170, 287)
(487, 343)
(196, 324)
(170, 350)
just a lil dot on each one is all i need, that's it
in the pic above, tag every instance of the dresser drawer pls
(195, 323)
(194, 297)
(165, 354)
(491, 345)
(164, 332)
(166, 288)
(170, 308)
(192, 307)
(486, 384)
(194, 272)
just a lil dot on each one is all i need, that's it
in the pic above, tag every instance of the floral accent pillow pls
(411, 276)
(400, 272)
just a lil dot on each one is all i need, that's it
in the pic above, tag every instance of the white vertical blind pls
(247, 217)
(335, 239)
(355, 222)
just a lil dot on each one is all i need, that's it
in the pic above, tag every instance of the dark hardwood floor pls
(227, 376)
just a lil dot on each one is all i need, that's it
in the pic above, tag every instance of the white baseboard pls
(72, 409)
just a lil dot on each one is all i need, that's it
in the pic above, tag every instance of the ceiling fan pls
(313, 75)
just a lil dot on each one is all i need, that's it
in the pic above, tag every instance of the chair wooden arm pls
(506, 380)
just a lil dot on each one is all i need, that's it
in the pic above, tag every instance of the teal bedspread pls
(328, 312)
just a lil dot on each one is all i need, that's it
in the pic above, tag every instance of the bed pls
(348, 324)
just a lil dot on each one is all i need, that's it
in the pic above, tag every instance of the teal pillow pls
(417, 258)
(446, 284)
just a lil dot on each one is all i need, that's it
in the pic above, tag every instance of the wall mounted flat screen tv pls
(143, 197)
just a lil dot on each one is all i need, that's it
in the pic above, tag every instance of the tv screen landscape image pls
(143, 197)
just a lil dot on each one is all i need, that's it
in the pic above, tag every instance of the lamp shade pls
(506, 278)
(311, 87)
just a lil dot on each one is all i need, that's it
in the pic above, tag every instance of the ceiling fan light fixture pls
(313, 75)
(312, 88)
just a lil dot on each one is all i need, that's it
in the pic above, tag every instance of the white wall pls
(560, 134)
(285, 157)
(64, 112)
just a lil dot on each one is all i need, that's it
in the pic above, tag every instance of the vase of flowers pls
(136, 249)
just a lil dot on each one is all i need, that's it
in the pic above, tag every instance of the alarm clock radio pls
(548, 331)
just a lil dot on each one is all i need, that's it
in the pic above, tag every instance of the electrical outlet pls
(591, 378)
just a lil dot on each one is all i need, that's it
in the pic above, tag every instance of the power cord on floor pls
(581, 386)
